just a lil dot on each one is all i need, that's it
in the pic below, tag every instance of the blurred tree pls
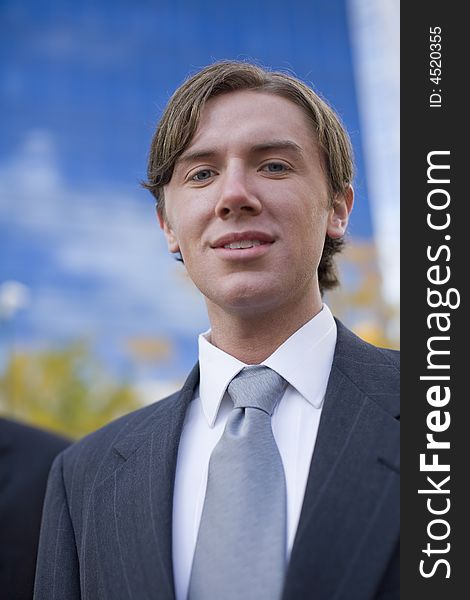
(65, 390)
(360, 302)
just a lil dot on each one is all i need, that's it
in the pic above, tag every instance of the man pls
(274, 471)
(26, 455)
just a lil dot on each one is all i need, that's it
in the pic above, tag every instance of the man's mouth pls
(242, 240)
(244, 244)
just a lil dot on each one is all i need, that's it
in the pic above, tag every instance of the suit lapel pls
(133, 507)
(348, 526)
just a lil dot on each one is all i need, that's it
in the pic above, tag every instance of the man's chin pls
(245, 302)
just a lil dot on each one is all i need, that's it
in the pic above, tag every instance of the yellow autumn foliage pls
(65, 390)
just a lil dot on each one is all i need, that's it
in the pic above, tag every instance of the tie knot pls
(257, 386)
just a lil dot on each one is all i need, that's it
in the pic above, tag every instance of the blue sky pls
(82, 86)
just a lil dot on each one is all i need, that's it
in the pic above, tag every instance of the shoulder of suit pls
(140, 420)
(95, 456)
(374, 371)
(93, 448)
(352, 348)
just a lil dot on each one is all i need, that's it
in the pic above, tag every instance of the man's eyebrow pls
(191, 156)
(277, 145)
(209, 153)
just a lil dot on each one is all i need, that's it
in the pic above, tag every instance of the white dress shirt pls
(304, 360)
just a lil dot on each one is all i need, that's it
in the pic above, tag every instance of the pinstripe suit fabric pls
(106, 532)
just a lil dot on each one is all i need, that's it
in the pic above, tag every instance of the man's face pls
(247, 205)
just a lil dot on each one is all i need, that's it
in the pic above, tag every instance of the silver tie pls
(241, 545)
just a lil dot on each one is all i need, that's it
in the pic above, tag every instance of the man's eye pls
(275, 167)
(202, 175)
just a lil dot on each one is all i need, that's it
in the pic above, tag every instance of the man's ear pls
(171, 240)
(338, 217)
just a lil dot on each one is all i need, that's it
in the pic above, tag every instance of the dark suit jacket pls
(108, 517)
(26, 455)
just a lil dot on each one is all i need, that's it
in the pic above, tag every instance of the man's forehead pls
(262, 105)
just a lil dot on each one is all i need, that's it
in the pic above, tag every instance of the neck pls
(251, 338)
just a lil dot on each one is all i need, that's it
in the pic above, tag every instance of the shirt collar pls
(304, 360)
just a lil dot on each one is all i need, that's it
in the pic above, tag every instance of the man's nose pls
(236, 195)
